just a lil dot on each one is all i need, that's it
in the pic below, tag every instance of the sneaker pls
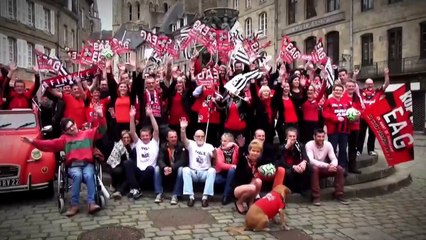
(136, 194)
(358, 153)
(131, 192)
(174, 200)
(116, 196)
(316, 202)
(372, 153)
(159, 198)
(342, 200)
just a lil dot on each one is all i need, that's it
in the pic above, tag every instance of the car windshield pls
(17, 120)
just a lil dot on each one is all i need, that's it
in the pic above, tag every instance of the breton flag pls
(330, 74)
(239, 82)
(240, 55)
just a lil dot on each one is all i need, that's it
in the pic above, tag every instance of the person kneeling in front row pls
(319, 151)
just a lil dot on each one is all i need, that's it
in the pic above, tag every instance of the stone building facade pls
(48, 26)
(258, 16)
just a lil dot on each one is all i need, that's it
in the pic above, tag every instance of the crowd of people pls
(161, 128)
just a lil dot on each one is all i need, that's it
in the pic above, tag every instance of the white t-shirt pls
(200, 156)
(146, 154)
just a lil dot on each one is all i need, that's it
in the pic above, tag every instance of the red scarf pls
(153, 102)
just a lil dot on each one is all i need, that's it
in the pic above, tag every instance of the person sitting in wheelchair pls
(78, 146)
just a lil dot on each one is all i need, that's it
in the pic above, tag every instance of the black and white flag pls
(240, 55)
(239, 82)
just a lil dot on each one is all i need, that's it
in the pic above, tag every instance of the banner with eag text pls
(390, 118)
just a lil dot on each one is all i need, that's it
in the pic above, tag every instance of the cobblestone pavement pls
(398, 215)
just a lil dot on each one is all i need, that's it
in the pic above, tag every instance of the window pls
(366, 5)
(310, 9)
(181, 22)
(263, 23)
(310, 44)
(138, 8)
(130, 11)
(248, 27)
(12, 49)
(367, 49)
(47, 51)
(236, 4)
(333, 5)
(92, 26)
(395, 43)
(12, 8)
(423, 40)
(65, 35)
(31, 58)
(173, 27)
(332, 39)
(166, 7)
(73, 40)
(291, 11)
(31, 17)
(248, 3)
(262, 1)
(47, 23)
(394, 1)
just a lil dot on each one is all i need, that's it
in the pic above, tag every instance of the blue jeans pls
(207, 176)
(340, 139)
(81, 174)
(221, 179)
(158, 181)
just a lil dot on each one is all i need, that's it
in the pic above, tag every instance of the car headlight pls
(35, 155)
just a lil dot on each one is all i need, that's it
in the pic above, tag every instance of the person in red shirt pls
(354, 126)
(287, 107)
(369, 96)
(310, 110)
(19, 97)
(334, 113)
(79, 150)
(74, 103)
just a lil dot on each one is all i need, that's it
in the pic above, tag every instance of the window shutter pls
(4, 48)
(39, 48)
(4, 9)
(20, 52)
(24, 54)
(21, 11)
(39, 18)
(52, 22)
(52, 53)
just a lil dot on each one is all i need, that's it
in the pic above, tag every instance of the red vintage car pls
(23, 167)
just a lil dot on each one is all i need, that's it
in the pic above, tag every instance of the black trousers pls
(298, 182)
(137, 178)
(352, 148)
(307, 131)
(119, 180)
(371, 137)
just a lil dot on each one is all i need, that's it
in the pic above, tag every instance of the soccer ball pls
(267, 170)
(352, 114)
(107, 53)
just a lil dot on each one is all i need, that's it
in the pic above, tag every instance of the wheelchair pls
(64, 184)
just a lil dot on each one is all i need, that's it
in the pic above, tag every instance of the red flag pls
(390, 119)
(289, 52)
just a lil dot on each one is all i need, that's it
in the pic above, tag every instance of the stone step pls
(370, 173)
(400, 178)
(365, 160)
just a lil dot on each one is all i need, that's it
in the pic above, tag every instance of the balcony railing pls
(396, 67)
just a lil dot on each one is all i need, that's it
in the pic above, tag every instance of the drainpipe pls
(276, 34)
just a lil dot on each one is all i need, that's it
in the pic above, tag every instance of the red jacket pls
(333, 109)
(79, 147)
(356, 103)
(220, 160)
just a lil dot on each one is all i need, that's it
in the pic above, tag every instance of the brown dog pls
(264, 210)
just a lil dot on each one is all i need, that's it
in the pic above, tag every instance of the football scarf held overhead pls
(289, 52)
(390, 120)
(154, 102)
(69, 79)
(47, 63)
(161, 44)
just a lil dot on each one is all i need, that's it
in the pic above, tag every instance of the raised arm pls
(387, 80)
(183, 138)
(35, 87)
(133, 134)
(156, 132)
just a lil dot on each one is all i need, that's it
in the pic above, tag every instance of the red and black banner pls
(391, 121)
(69, 79)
